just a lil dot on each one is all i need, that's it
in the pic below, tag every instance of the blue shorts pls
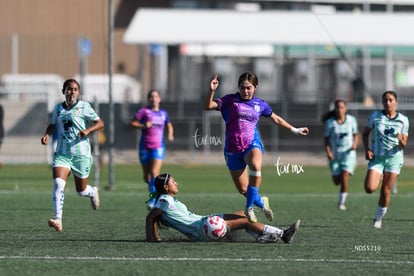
(235, 160)
(79, 165)
(146, 155)
(347, 163)
(391, 164)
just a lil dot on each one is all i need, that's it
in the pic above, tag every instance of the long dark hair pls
(159, 183)
(331, 114)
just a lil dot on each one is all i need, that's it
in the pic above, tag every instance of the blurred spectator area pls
(196, 130)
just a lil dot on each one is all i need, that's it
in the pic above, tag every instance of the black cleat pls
(290, 232)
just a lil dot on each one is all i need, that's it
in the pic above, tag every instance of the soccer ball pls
(215, 227)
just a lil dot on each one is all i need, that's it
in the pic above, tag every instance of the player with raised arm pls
(243, 147)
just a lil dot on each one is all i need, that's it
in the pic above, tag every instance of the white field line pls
(168, 259)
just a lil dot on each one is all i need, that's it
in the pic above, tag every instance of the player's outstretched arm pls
(276, 119)
(151, 226)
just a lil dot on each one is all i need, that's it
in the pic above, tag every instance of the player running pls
(151, 149)
(243, 148)
(341, 141)
(389, 134)
(172, 213)
(74, 120)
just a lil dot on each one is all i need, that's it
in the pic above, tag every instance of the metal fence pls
(196, 131)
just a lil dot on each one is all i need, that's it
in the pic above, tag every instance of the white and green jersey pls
(341, 135)
(68, 124)
(384, 141)
(176, 215)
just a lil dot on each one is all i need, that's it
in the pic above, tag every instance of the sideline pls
(168, 259)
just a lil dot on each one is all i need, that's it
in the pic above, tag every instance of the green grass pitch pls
(110, 241)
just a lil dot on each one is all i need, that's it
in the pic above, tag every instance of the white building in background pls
(125, 89)
(33, 87)
(41, 87)
(313, 55)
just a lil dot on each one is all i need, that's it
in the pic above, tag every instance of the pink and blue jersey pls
(241, 117)
(153, 137)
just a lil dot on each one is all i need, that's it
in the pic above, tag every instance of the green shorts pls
(347, 164)
(391, 164)
(79, 165)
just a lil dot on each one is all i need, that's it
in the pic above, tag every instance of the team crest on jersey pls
(257, 107)
(76, 112)
(389, 131)
(342, 135)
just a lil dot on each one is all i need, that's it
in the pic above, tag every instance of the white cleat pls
(266, 208)
(270, 237)
(251, 216)
(377, 224)
(56, 224)
(95, 203)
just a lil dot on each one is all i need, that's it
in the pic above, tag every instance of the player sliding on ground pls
(243, 146)
(172, 213)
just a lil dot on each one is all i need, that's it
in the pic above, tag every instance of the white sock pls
(271, 229)
(88, 192)
(342, 198)
(58, 197)
(380, 213)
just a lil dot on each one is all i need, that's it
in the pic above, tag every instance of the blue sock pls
(258, 201)
(251, 196)
(151, 186)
